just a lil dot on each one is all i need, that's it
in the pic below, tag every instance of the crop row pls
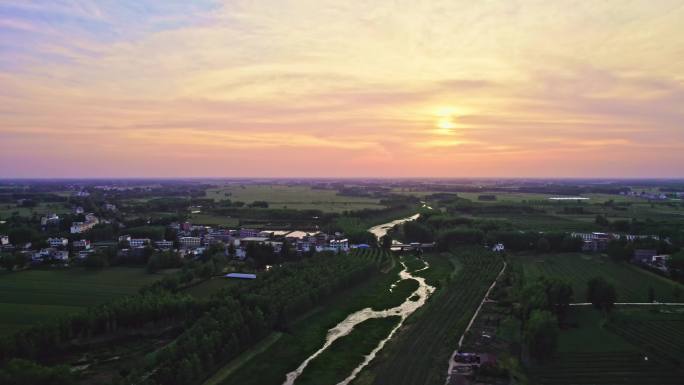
(420, 353)
(606, 368)
(632, 285)
(663, 338)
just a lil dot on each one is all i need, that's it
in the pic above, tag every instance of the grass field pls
(213, 220)
(632, 284)
(34, 296)
(593, 353)
(308, 333)
(338, 361)
(7, 210)
(659, 333)
(293, 197)
(419, 353)
(206, 288)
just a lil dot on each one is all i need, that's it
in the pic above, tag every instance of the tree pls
(559, 295)
(362, 237)
(543, 245)
(386, 242)
(8, 261)
(651, 294)
(601, 293)
(676, 265)
(677, 293)
(231, 250)
(571, 244)
(416, 232)
(154, 264)
(22, 372)
(541, 334)
(95, 261)
(620, 250)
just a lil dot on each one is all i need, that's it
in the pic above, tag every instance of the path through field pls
(460, 341)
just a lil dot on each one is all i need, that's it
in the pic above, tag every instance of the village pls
(190, 241)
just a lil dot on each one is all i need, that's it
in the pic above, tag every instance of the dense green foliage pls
(601, 294)
(419, 355)
(541, 334)
(243, 314)
(631, 283)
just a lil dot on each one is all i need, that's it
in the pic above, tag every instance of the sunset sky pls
(321, 88)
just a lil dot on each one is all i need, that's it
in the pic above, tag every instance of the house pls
(80, 227)
(499, 247)
(50, 219)
(240, 276)
(78, 210)
(50, 254)
(164, 244)
(4, 240)
(83, 254)
(594, 242)
(82, 244)
(139, 242)
(57, 242)
(246, 233)
(124, 238)
(338, 245)
(643, 255)
(190, 242)
(109, 207)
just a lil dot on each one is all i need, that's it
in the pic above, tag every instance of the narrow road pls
(470, 324)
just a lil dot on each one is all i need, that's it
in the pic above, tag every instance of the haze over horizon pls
(329, 89)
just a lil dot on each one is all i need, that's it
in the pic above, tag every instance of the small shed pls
(240, 276)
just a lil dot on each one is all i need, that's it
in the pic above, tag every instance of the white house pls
(139, 242)
(57, 242)
(190, 242)
(164, 244)
(81, 244)
(83, 254)
(4, 240)
(338, 245)
(499, 247)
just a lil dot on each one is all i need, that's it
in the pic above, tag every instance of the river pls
(381, 230)
(347, 325)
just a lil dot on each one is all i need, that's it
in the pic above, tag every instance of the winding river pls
(347, 325)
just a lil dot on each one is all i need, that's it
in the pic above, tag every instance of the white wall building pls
(139, 242)
(57, 242)
(190, 242)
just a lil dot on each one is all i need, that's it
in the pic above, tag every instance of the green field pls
(632, 283)
(307, 334)
(419, 353)
(206, 288)
(33, 296)
(595, 352)
(346, 353)
(213, 220)
(7, 210)
(293, 197)
(659, 333)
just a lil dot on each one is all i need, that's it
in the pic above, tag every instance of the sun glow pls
(445, 118)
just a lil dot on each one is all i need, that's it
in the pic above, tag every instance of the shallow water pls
(347, 325)
(381, 230)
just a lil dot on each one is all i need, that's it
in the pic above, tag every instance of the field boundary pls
(472, 320)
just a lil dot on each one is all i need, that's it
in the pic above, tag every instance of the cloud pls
(348, 82)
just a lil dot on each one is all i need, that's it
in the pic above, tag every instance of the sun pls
(445, 118)
(446, 123)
